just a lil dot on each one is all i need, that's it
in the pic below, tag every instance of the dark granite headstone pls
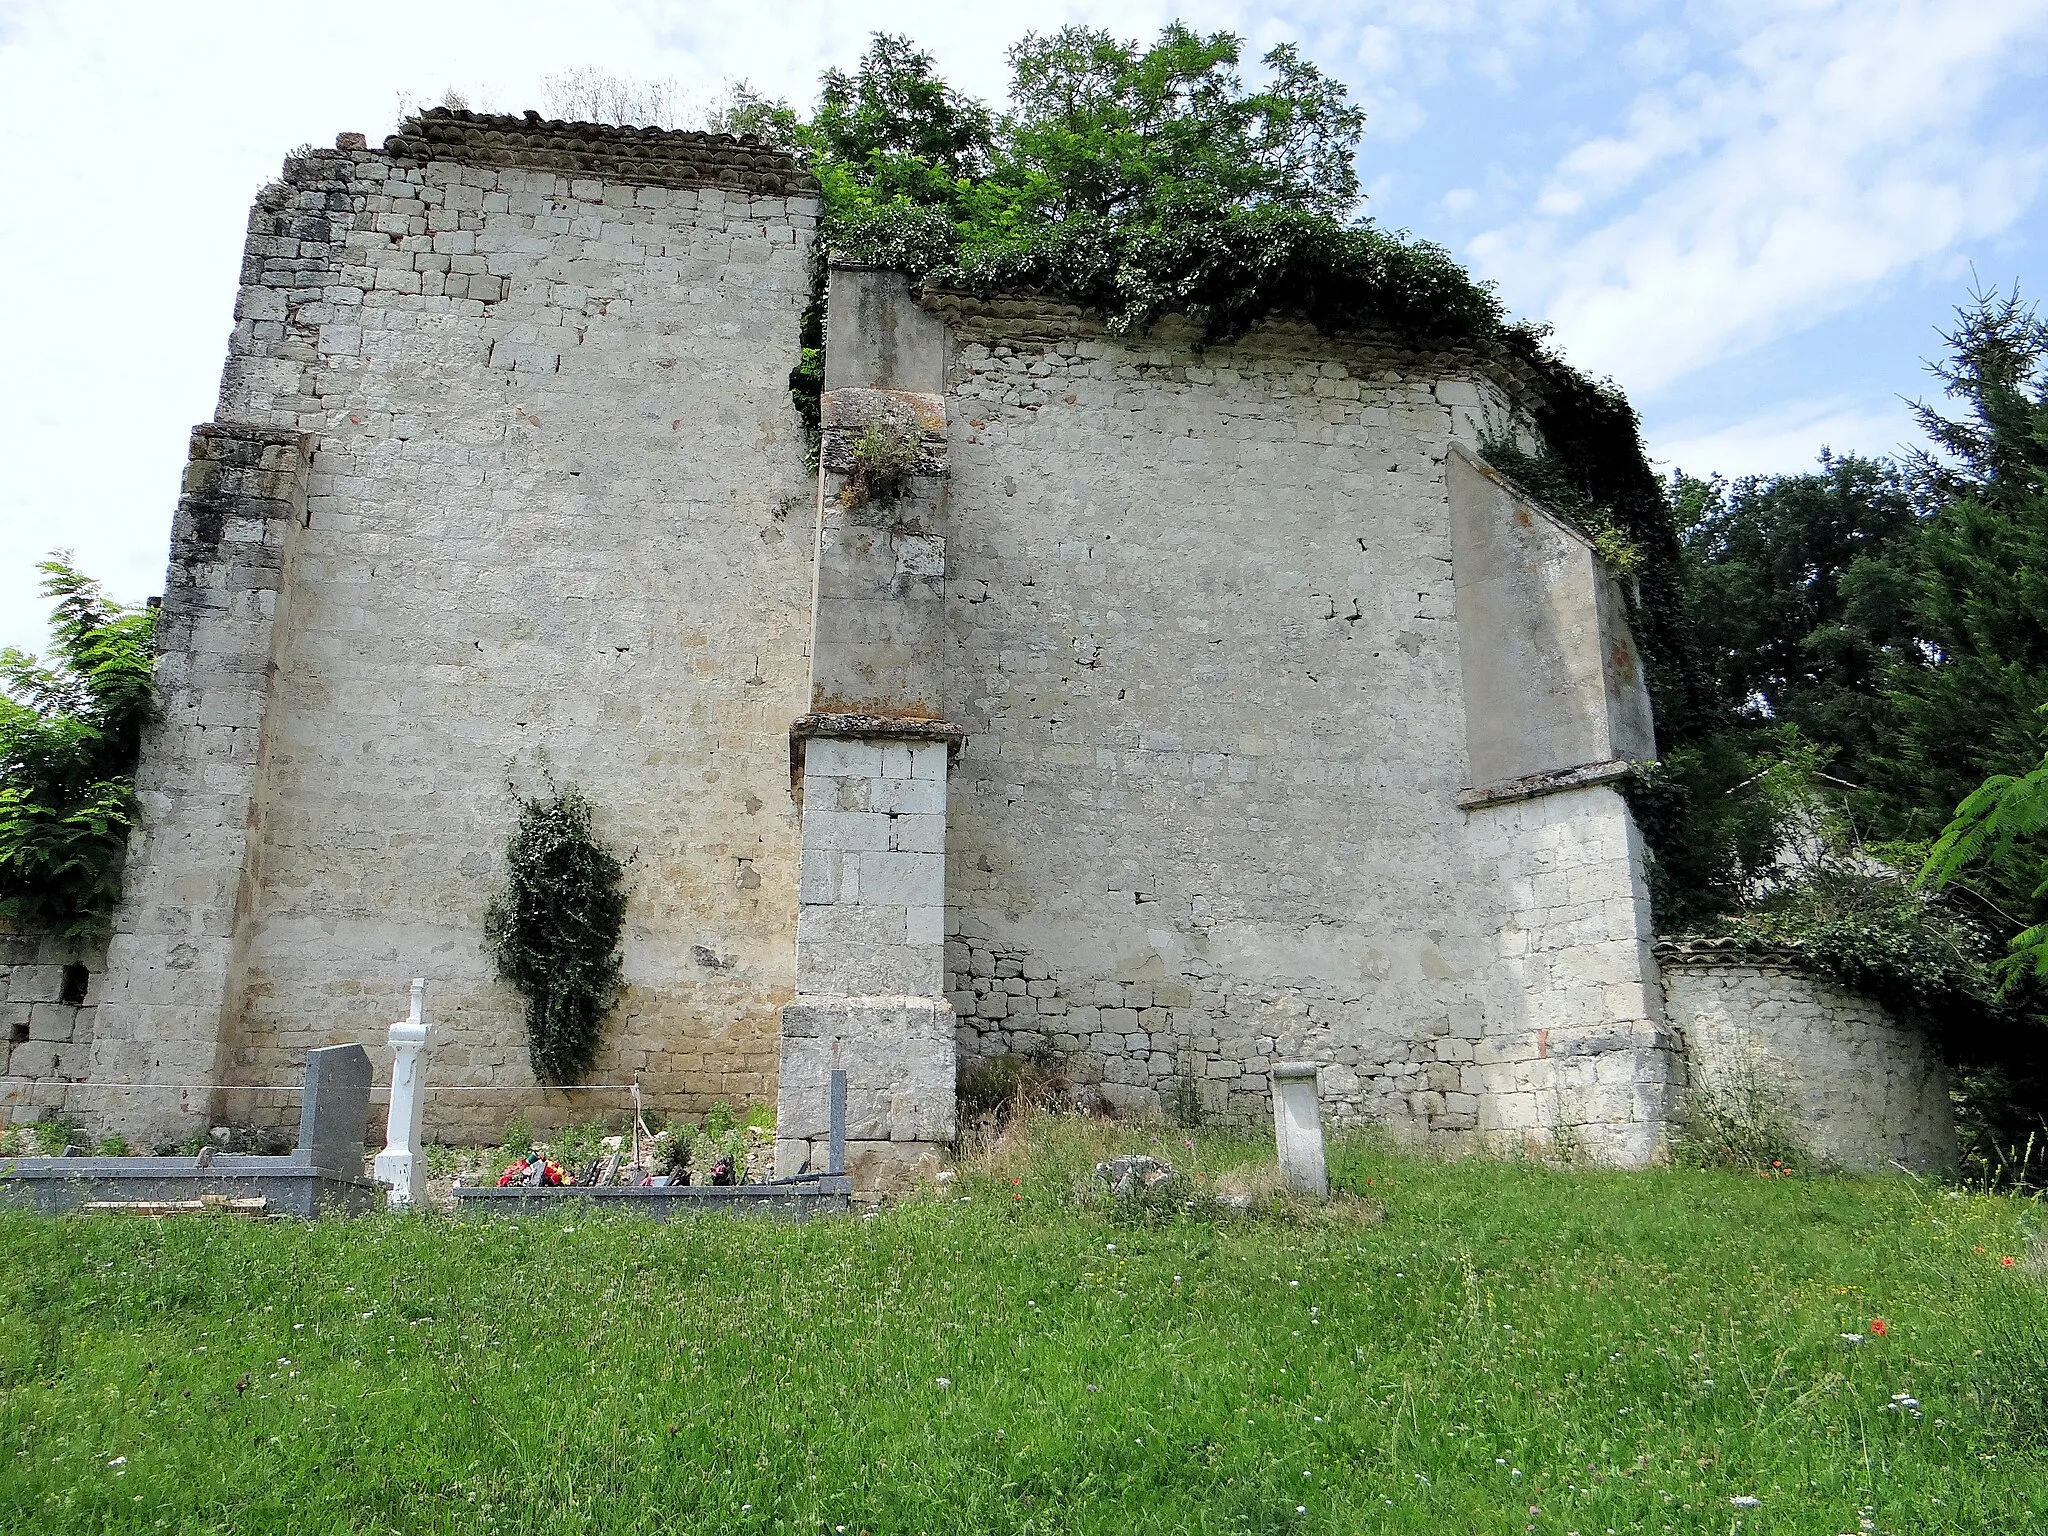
(336, 1109)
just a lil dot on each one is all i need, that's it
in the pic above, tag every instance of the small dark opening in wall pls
(76, 977)
(17, 1033)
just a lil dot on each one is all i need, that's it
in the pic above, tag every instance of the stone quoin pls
(1179, 710)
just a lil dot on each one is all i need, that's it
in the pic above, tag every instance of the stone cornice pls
(1556, 781)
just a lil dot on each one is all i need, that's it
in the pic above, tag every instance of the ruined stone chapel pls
(1182, 709)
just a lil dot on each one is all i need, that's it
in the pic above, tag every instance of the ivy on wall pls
(554, 930)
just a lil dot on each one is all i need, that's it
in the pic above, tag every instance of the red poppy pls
(1880, 1326)
(2008, 1261)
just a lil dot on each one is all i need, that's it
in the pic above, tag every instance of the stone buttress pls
(870, 758)
(1556, 707)
(176, 964)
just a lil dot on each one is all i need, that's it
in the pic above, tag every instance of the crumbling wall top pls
(656, 157)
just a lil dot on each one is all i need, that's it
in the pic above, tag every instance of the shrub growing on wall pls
(554, 931)
(70, 730)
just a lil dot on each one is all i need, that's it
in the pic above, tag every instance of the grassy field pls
(1510, 1349)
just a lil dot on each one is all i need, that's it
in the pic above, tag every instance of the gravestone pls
(323, 1177)
(1298, 1129)
(400, 1165)
(336, 1108)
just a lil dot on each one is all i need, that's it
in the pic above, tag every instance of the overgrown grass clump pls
(1509, 1348)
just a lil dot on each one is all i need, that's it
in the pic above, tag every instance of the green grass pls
(1513, 1348)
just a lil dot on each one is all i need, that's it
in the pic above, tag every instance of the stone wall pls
(178, 958)
(49, 994)
(1204, 644)
(556, 527)
(1859, 1088)
(506, 486)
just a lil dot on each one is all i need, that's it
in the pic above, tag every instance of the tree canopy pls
(70, 729)
(1870, 642)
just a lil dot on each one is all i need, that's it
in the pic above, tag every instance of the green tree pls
(70, 730)
(1967, 697)
(744, 112)
(1103, 129)
(1794, 604)
(1800, 589)
(900, 130)
(2000, 828)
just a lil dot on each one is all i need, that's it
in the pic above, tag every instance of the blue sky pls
(1753, 216)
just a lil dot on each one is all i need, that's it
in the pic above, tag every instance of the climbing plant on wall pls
(554, 931)
(70, 729)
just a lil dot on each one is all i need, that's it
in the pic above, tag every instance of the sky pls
(1756, 218)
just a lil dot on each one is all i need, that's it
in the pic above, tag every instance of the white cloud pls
(1831, 149)
(1785, 439)
(119, 245)
(1804, 159)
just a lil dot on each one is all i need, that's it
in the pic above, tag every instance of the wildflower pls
(1880, 1327)
(1852, 1338)
(1301, 1509)
(2007, 1262)
(945, 1382)
(1745, 1501)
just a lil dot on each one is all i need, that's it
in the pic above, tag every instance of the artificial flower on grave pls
(536, 1170)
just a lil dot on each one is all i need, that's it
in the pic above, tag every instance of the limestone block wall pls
(872, 912)
(176, 962)
(871, 933)
(506, 490)
(1580, 1049)
(556, 529)
(49, 990)
(1203, 641)
(1861, 1089)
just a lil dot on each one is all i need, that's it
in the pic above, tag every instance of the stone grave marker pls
(1298, 1128)
(336, 1109)
(400, 1164)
